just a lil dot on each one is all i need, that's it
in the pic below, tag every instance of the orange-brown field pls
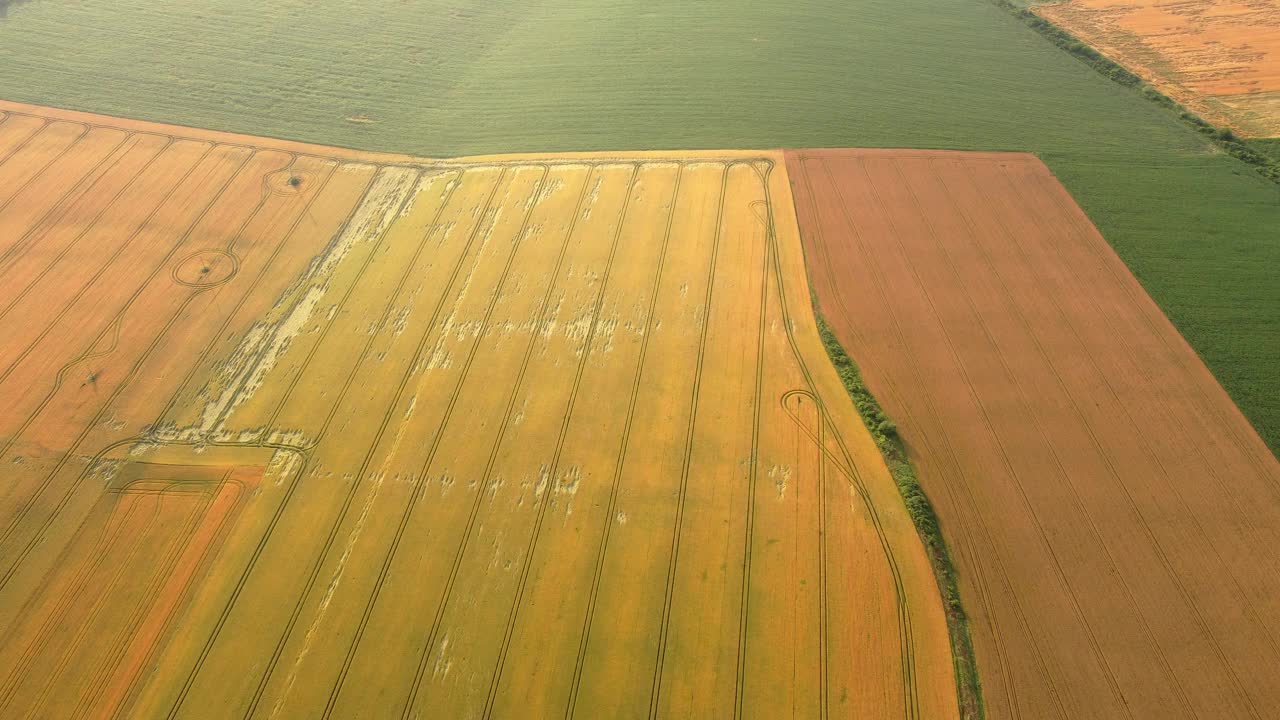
(1114, 518)
(1218, 57)
(300, 432)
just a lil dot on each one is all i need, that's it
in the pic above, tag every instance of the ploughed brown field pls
(292, 431)
(1114, 518)
(1218, 57)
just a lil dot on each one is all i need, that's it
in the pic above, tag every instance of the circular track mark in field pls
(288, 182)
(205, 268)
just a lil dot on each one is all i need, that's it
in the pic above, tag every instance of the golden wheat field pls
(301, 432)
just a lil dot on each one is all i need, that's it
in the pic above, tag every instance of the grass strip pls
(885, 434)
(1267, 164)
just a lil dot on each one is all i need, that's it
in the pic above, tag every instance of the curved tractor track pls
(303, 432)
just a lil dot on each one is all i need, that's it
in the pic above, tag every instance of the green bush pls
(885, 433)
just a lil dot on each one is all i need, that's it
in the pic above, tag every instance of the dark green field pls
(1200, 229)
(1270, 146)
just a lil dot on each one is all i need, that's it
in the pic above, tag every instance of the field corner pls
(1223, 138)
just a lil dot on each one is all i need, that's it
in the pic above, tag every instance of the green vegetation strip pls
(1267, 164)
(885, 433)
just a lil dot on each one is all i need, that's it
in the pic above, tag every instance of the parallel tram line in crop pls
(1004, 253)
(89, 178)
(337, 403)
(1065, 476)
(404, 381)
(411, 367)
(145, 608)
(1246, 518)
(120, 641)
(302, 596)
(1116, 476)
(748, 539)
(904, 625)
(540, 317)
(180, 310)
(611, 511)
(818, 436)
(77, 580)
(298, 472)
(367, 278)
(105, 266)
(102, 269)
(341, 304)
(1151, 454)
(912, 706)
(185, 384)
(66, 456)
(674, 555)
(545, 501)
(85, 129)
(1151, 317)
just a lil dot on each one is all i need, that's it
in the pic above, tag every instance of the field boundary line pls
(1040, 429)
(1221, 137)
(911, 697)
(919, 508)
(1143, 442)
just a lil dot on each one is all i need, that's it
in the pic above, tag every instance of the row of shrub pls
(922, 514)
(1224, 138)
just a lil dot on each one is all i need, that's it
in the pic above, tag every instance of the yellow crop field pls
(297, 432)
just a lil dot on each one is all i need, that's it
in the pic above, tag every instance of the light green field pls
(480, 76)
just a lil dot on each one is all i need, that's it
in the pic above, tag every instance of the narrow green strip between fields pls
(885, 434)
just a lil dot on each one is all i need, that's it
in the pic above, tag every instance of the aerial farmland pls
(456, 359)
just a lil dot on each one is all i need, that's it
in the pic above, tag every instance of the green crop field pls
(1270, 146)
(473, 76)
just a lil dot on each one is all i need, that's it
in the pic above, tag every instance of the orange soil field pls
(301, 432)
(1219, 57)
(1113, 516)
